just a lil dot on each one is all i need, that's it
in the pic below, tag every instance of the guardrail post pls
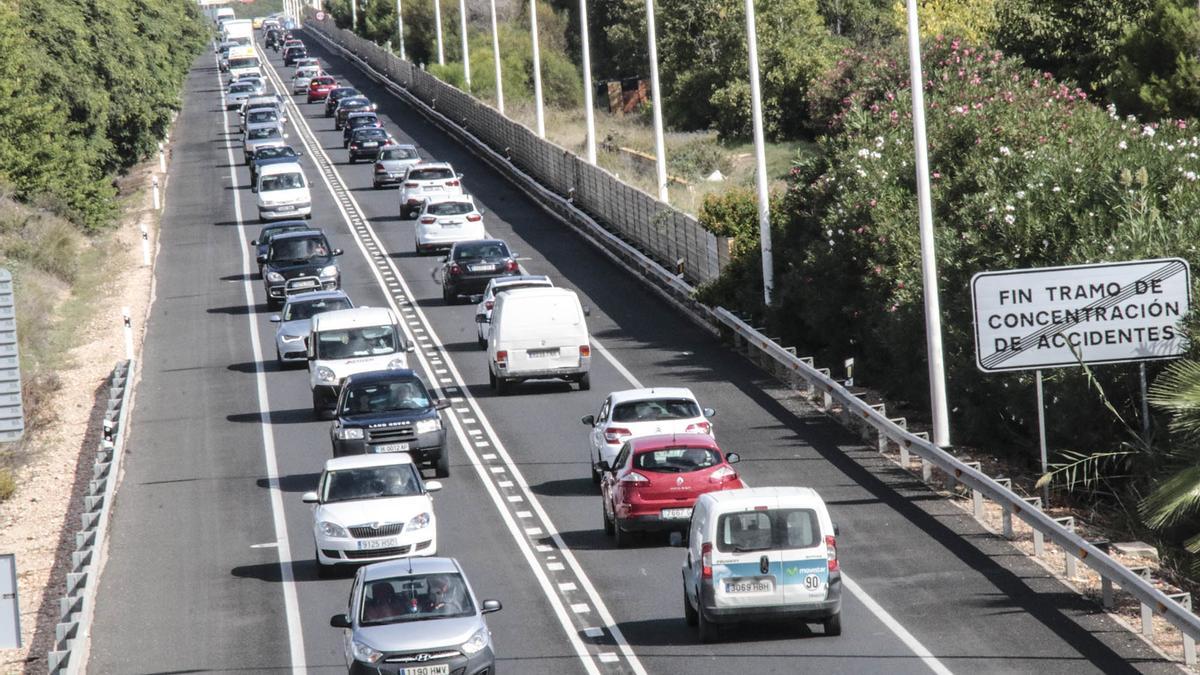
(904, 454)
(1006, 517)
(1039, 539)
(1069, 523)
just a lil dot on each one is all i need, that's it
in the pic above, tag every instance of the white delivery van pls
(223, 14)
(350, 341)
(538, 333)
(243, 62)
(765, 553)
(240, 31)
(282, 192)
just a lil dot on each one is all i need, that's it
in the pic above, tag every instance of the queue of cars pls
(753, 553)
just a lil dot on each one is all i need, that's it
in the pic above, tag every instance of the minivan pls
(538, 333)
(766, 553)
(349, 341)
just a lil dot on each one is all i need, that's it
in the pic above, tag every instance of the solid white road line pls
(290, 603)
(893, 625)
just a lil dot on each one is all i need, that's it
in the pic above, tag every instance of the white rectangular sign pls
(10, 610)
(1060, 316)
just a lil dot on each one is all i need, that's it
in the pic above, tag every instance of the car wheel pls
(374, 185)
(595, 475)
(620, 537)
(690, 616)
(442, 468)
(491, 379)
(323, 571)
(447, 296)
(353, 159)
(706, 628)
(318, 404)
(482, 343)
(502, 386)
(608, 523)
(279, 358)
(417, 247)
(585, 382)
(833, 625)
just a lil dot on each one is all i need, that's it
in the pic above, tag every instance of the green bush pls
(1158, 69)
(698, 159)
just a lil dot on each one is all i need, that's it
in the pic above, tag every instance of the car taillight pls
(634, 478)
(379, 168)
(722, 475)
(452, 183)
(511, 266)
(706, 560)
(831, 551)
(428, 220)
(489, 304)
(699, 428)
(616, 435)
(412, 185)
(455, 270)
(501, 357)
(354, 145)
(585, 350)
(474, 218)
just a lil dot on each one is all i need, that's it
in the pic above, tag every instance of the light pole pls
(587, 83)
(496, 58)
(660, 155)
(354, 15)
(537, 70)
(933, 318)
(760, 157)
(400, 29)
(437, 20)
(462, 19)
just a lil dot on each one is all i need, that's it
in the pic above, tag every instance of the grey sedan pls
(291, 337)
(391, 163)
(260, 136)
(416, 612)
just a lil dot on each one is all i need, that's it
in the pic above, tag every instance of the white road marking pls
(898, 630)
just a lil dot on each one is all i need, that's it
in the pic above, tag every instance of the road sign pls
(1059, 316)
(12, 418)
(320, 16)
(10, 608)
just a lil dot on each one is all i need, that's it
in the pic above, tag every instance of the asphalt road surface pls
(210, 565)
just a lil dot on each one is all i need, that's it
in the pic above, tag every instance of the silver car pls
(241, 90)
(260, 136)
(391, 163)
(295, 325)
(416, 613)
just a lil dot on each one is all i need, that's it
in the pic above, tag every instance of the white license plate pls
(370, 144)
(286, 207)
(392, 447)
(376, 544)
(441, 669)
(432, 188)
(676, 514)
(482, 268)
(740, 586)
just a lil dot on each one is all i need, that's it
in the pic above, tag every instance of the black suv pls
(472, 264)
(297, 262)
(390, 411)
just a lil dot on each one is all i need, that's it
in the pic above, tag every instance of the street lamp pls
(354, 15)
(400, 29)
(760, 157)
(437, 20)
(462, 19)
(587, 83)
(660, 155)
(537, 70)
(496, 58)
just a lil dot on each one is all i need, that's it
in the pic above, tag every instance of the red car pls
(654, 481)
(320, 87)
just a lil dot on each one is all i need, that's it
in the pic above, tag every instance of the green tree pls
(971, 20)
(1158, 63)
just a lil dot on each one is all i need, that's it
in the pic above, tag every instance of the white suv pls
(444, 220)
(427, 180)
(633, 413)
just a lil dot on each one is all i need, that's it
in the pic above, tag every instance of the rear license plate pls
(370, 144)
(484, 268)
(747, 586)
(432, 188)
(441, 669)
(542, 353)
(392, 447)
(676, 514)
(375, 544)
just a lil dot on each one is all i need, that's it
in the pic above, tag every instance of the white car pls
(496, 287)
(633, 413)
(241, 90)
(282, 192)
(295, 321)
(444, 220)
(427, 180)
(302, 77)
(305, 62)
(371, 507)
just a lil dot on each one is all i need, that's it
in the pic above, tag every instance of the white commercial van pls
(282, 192)
(350, 341)
(765, 553)
(538, 333)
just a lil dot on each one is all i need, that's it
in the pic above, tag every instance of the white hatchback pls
(372, 507)
(427, 180)
(446, 219)
(634, 413)
(302, 77)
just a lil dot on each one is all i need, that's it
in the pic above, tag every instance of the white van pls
(349, 341)
(538, 333)
(761, 553)
(282, 192)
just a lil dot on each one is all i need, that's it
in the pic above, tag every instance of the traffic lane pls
(671, 335)
(187, 499)
(475, 536)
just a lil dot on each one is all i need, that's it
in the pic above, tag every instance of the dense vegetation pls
(89, 88)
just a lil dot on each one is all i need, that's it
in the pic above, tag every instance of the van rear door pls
(747, 563)
(805, 560)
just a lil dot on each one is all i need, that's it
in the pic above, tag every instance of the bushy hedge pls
(1026, 172)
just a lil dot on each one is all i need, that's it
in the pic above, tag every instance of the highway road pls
(210, 563)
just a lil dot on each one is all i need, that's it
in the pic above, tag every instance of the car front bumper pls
(277, 291)
(334, 550)
(284, 211)
(291, 351)
(425, 447)
(482, 662)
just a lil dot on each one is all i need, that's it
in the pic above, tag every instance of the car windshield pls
(343, 92)
(241, 87)
(489, 250)
(371, 482)
(398, 153)
(430, 174)
(450, 208)
(656, 410)
(760, 530)
(357, 342)
(296, 311)
(264, 237)
(263, 133)
(281, 181)
(298, 249)
(677, 460)
(386, 397)
(418, 597)
(246, 62)
(362, 121)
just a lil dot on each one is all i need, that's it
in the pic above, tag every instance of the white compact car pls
(427, 180)
(446, 219)
(372, 507)
(302, 77)
(295, 321)
(497, 286)
(633, 413)
(282, 192)
(351, 341)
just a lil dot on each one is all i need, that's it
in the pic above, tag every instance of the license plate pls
(440, 669)
(307, 283)
(376, 544)
(676, 514)
(287, 207)
(544, 353)
(370, 144)
(392, 447)
(740, 586)
(483, 268)
(452, 224)
(432, 188)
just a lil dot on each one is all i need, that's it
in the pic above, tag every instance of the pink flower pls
(872, 203)
(935, 175)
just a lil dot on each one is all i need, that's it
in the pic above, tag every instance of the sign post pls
(1041, 401)
(10, 607)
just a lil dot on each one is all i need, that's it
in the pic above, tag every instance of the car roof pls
(368, 130)
(298, 234)
(353, 318)
(750, 497)
(664, 441)
(280, 167)
(284, 223)
(403, 567)
(362, 461)
(362, 113)
(442, 199)
(650, 393)
(267, 98)
(499, 282)
(399, 146)
(380, 376)
(311, 296)
(431, 165)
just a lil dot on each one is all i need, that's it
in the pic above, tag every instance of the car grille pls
(302, 284)
(368, 531)
(389, 434)
(377, 553)
(422, 657)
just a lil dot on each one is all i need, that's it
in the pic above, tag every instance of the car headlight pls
(418, 522)
(349, 434)
(292, 338)
(333, 530)
(329, 271)
(426, 426)
(366, 653)
(325, 374)
(397, 363)
(275, 277)
(477, 642)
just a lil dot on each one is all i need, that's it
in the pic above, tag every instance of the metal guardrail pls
(76, 607)
(831, 395)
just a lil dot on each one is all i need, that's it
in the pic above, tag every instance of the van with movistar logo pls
(761, 554)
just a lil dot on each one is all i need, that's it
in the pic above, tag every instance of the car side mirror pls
(603, 465)
(514, 255)
(338, 251)
(709, 412)
(339, 621)
(482, 318)
(490, 606)
(410, 348)
(261, 259)
(254, 242)
(275, 318)
(441, 404)
(587, 310)
(254, 189)
(460, 175)
(589, 420)
(310, 498)
(285, 135)
(477, 298)
(433, 486)
(733, 458)
(446, 259)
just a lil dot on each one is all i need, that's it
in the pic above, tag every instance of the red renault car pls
(654, 481)
(319, 87)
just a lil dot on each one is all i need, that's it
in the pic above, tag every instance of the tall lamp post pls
(400, 29)
(354, 15)
(760, 157)
(537, 71)
(437, 21)
(496, 58)
(587, 83)
(462, 20)
(660, 155)
(933, 318)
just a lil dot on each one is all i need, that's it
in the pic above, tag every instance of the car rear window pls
(430, 174)
(370, 133)
(656, 410)
(487, 250)
(399, 153)
(323, 80)
(766, 529)
(305, 310)
(676, 460)
(450, 208)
